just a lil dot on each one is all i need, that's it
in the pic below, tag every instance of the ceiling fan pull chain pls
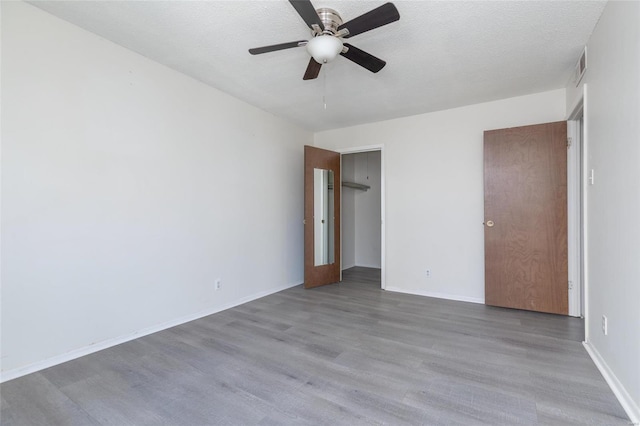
(324, 88)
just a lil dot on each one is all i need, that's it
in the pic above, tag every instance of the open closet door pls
(322, 186)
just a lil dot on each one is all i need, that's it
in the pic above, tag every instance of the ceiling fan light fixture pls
(324, 48)
(327, 32)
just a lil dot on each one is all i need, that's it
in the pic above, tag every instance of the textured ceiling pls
(441, 54)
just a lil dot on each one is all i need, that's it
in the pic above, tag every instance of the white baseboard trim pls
(628, 404)
(437, 295)
(98, 346)
(344, 267)
(369, 266)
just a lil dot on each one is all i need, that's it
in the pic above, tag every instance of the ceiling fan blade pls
(383, 15)
(313, 69)
(274, 47)
(363, 58)
(307, 12)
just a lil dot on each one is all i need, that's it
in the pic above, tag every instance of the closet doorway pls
(362, 212)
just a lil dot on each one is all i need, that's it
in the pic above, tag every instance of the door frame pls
(383, 262)
(577, 212)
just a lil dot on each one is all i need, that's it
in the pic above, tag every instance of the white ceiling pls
(440, 55)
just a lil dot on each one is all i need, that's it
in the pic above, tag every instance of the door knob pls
(490, 223)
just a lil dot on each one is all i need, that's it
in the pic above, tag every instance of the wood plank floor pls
(343, 354)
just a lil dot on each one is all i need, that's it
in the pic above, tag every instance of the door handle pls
(490, 223)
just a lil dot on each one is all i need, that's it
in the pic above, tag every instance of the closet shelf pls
(355, 185)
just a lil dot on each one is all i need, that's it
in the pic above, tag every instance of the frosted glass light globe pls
(324, 48)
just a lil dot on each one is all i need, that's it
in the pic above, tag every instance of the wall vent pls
(581, 67)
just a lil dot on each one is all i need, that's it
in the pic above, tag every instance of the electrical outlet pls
(428, 273)
(605, 329)
(218, 284)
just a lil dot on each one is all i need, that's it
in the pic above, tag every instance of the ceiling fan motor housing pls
(330, 19)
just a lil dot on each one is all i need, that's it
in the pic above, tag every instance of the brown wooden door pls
(525, 212)
(321, 269)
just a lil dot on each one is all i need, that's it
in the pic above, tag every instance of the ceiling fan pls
(328, 30)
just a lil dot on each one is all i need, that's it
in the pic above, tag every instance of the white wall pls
(367, 204)
(127, 189)
(348, 212)
(434, 189)
(612, 116)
